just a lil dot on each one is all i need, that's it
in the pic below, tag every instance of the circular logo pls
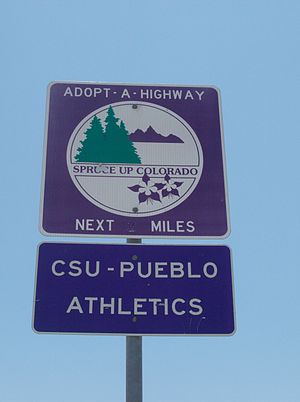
(134, 159)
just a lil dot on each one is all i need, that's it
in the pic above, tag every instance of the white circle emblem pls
(134, 158)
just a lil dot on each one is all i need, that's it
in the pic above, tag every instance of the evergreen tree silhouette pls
(110, 146)
(92, 147)
(120, 148)
(126, 146)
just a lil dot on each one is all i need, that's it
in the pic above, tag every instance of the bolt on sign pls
(134, 161)
(133, 289)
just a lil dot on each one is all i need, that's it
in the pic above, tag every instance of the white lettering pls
(74, 266)
(200, 94)
(97, 91)
(125, 267)
(110, 305)
(75, 305)
(172, 227)
(68, 91)
(214, 272)
(155, 226)
(91, 301)
(78, 92)
(100, 224)
(53, 268)
(137, 306)
(159, 267)
(154, 301)
(106, 90)
(177, 269)
(88, 271)
(140, 273)
(190, 227)
(177, 93)
(89, 224)
(144, 93)
(174, 309)
(109, 222)
(88, 92)
(120, 308)
(195, 304)
(190, 274)
(79, 225)
(188, 95)
(125, 93)
(93, 225)
(165, 305)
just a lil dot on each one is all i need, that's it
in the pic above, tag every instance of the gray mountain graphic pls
(150, 135)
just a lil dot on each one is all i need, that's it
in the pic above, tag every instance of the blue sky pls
(250, 50)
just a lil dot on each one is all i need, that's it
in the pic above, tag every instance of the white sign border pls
(135, 334)
(133, 236)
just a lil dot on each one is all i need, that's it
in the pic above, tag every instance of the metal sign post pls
(134, 369)
(134, 362)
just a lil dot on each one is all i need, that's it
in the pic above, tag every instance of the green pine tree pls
(127, 146)
(92, 148)
(120, 149)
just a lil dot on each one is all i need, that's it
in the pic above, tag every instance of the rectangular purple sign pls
(133, 289)
(134, 161)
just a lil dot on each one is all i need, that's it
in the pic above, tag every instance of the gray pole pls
(134, 362)
(134, 380)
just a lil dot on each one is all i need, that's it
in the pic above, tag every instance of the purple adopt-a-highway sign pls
(134, 161)
(133, 289)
